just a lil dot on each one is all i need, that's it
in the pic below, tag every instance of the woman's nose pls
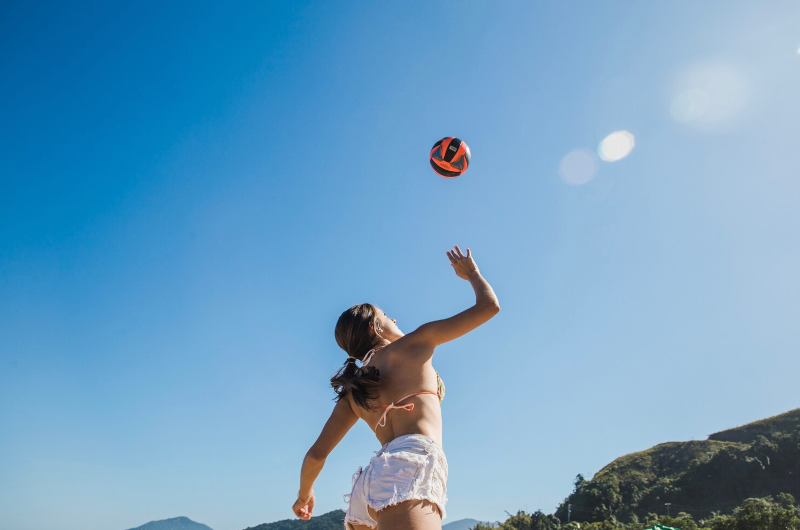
(393, 320)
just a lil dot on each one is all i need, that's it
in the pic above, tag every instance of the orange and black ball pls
(450, 157)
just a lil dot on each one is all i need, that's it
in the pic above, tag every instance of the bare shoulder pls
(414, 347)
(351, 404)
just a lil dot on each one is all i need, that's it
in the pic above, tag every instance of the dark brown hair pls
(354, 337)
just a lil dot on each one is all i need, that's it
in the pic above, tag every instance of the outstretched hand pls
(304, 508)
(464, 266)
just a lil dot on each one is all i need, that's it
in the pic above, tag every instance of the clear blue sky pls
(192, 193)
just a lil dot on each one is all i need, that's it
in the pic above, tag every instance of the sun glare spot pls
(578, 167)
(616, 146)
(689, 105)
(709, 94)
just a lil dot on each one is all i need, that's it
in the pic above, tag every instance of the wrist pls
(305, 498)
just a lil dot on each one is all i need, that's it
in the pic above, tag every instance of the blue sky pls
(191, 194)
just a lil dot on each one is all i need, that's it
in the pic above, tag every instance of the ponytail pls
(362, 383)
(354, 337)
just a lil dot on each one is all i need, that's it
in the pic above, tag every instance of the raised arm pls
(341, 420)
(486, 305)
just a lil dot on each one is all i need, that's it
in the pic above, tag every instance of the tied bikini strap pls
(407, 407)
(368, 358)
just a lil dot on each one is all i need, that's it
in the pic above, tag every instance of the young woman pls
(398, 393)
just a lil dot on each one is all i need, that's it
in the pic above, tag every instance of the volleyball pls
(450, 157)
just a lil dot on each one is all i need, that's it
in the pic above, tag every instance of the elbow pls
(492, 307)
(314, 456)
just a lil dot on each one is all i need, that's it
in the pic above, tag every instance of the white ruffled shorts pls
(410, 467)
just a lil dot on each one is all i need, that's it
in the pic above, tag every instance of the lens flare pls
(689, 105)
(709, 95)
(616, 146)
(578, 167)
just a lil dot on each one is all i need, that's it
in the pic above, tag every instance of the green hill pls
(782, 423)
(176, 523)
(754, 460)
(461, 524)
(329, 521)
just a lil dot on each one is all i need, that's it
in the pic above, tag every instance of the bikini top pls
(408, 406)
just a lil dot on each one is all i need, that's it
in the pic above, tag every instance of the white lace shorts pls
(410, 467)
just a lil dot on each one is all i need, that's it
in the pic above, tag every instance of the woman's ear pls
(374, 332)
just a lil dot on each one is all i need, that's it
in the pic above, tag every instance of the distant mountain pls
(755, 460)
(329, 521)
(461, 524)
(177, 523)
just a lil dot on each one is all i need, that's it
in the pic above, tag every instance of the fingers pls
(455, 254)
(304, 510)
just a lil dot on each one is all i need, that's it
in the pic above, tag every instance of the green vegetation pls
(695, 477)
(786, 422)
(745, 478)
(754, 514)
(329, 521)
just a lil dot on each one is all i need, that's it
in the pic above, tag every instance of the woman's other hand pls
(304, 508)
(463, 265)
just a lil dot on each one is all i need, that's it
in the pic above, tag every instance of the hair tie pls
(351, 360)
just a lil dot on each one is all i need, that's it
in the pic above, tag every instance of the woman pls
(398, 393)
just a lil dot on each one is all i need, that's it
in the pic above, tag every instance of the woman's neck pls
(382, 343)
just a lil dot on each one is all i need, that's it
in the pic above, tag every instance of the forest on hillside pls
(745, 478)
(767, 513)
(696, 477)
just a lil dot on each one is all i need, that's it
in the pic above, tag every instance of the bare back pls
(405, 368)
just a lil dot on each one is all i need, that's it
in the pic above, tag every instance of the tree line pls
(765, 513)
